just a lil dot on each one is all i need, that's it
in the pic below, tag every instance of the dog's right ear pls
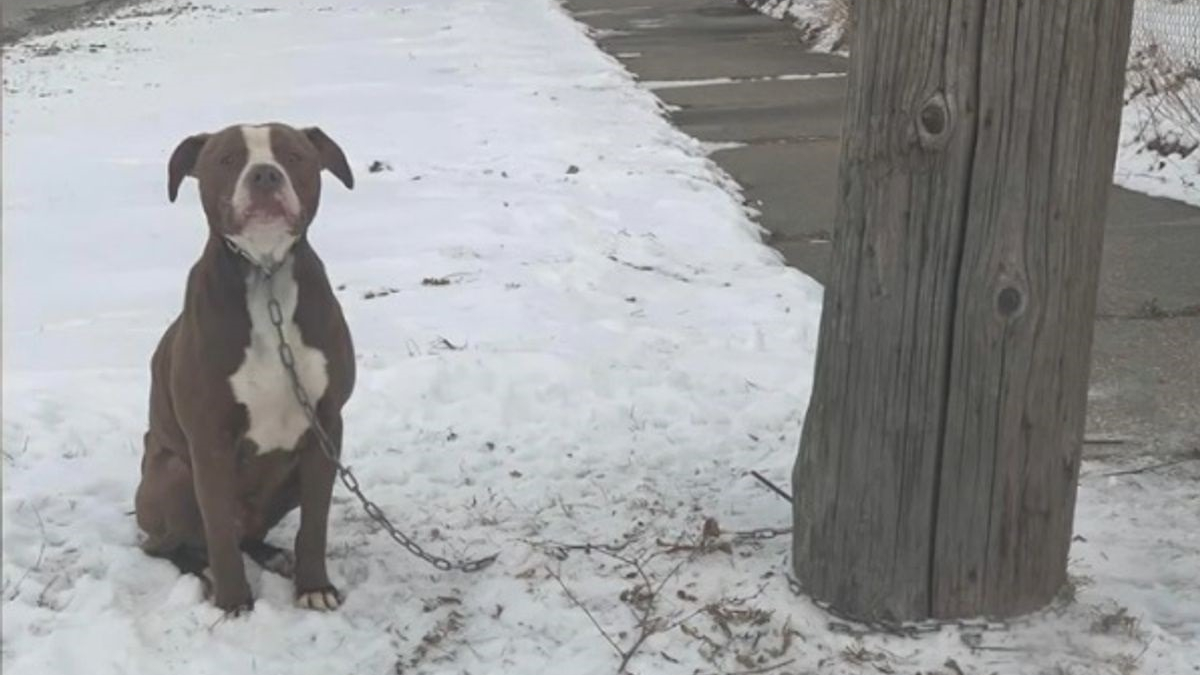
(183, 161)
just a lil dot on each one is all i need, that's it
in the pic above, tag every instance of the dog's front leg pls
(214, 466)
(317, 473)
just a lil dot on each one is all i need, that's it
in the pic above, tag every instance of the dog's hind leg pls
(187, 559)
(168, 516)
(271, 558)
(165, 503)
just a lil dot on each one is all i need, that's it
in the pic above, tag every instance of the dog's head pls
(260, 184)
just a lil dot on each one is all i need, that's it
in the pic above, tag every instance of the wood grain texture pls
(936, 472)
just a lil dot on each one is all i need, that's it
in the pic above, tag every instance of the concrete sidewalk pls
(1145, 389)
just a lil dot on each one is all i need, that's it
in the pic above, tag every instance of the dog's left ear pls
(332, 157)
(183, 161)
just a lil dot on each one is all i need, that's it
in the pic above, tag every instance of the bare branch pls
(1192, 456)
(771, 486)
(581, 606)
(764, 669)
(37, 565)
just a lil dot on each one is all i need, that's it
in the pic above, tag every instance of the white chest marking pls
(261, 383)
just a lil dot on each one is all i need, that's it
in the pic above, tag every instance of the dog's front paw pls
(322, 599)
(234, 604)
(236, 609)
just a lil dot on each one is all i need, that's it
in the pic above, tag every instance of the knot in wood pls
(934, 122)
(1008, 301)
(933, 118)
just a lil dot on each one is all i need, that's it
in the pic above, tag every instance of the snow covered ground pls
(822, 21)
(1159, 151)
(569, 332)
(1159, 154)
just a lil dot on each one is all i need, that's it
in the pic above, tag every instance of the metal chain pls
(971, 630)
(332, 452)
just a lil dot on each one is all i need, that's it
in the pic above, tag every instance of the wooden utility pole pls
(937, 471)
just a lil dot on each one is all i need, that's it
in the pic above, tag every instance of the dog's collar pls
(244, 254)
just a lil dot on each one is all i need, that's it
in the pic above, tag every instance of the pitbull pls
(229, 450)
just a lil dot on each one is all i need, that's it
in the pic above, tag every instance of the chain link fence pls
(1170, 28)
(1163, 78)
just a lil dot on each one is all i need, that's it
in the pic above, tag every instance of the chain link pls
(332, 452)
(970, 630)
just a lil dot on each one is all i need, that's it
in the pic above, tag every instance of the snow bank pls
(1159, 151)
(823, 22)
(569, 333)
(613, 349)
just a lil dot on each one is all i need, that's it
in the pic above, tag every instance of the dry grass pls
(1170, 90)
(1115, 622)
(840, 13)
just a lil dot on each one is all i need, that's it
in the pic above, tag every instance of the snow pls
(714, 81)
(823, 22)
(569, 332)
(1157, 156)
(1159, 148)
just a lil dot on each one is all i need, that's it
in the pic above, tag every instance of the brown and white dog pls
(229, 450)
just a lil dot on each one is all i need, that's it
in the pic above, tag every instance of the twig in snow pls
(689, 617)
(773, 487)
(1192, 456)
(218, 621)
(38, 563)
(565, 508)
(764, 669)
(450, 345)
(412, 347)
(697, 635)
(647, 624)
(646, 632)
(650, 268)
(580, 605)
(639, 567)
(41, 601)
(24, 448)
(645, 604)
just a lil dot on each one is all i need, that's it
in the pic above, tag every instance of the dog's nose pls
(265, 177)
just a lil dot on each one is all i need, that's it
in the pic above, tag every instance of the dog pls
(229, 450)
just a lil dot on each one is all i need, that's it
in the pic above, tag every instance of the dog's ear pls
(332, 157)
(183, 161)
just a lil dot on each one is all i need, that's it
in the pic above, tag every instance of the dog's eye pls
(295, 157)
(227, 159)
